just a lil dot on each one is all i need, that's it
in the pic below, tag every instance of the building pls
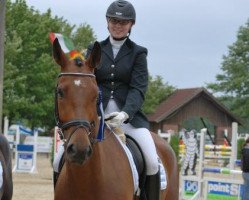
(185, 104)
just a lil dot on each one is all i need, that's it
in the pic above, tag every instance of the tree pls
(2, 31)
(233, 82)
(83, 42)
(30, 72)
(156, 93)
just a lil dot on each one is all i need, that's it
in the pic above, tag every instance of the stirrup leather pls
(152, 186)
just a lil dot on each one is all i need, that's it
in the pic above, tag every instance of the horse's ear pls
(93, 59)
(59, 56)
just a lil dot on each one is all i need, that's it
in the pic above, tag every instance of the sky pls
(186, 39)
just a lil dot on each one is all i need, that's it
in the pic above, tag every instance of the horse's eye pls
(60, 93)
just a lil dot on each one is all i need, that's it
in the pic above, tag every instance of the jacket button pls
(112, 83)
(112, 66)
(112, 74)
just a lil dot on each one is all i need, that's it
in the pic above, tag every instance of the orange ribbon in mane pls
(75, 54)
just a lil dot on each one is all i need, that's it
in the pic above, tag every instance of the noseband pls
(78, 123)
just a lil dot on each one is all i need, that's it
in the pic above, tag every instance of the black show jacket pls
(124, 79)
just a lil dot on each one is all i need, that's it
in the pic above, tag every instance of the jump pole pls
(234, 145)
(200, 194)
(199, 179)
(34, 169)
(201, 162)
(6, 126)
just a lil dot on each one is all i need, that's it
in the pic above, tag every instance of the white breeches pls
(142, 137)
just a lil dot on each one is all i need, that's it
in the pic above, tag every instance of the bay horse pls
(95, 170)
(6, 183)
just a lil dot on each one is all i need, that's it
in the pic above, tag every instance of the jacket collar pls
(125, 49)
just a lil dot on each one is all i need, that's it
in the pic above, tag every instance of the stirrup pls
(152, 186)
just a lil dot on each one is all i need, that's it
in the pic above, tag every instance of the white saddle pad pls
(163, 176)
(132, 164)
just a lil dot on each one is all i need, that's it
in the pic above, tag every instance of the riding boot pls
(152, 186)
(55, 177)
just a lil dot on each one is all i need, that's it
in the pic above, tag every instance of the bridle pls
(78, 123)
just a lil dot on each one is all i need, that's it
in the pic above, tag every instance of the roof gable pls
(180, 98)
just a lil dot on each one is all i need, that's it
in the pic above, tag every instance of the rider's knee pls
(152, 168)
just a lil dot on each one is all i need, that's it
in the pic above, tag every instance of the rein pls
(79, 123)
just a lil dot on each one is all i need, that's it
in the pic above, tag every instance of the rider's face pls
(119, 28)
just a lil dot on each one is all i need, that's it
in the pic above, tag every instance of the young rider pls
(123, 78)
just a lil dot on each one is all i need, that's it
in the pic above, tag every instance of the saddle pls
(139, 162)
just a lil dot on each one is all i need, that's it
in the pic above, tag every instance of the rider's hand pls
(115, 119)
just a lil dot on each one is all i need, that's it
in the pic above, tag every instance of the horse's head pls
(75, 102)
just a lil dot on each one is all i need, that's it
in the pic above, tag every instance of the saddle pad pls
(132, 164)
(163, 176)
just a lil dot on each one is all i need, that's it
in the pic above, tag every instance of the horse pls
(6, 183)
(95, 169)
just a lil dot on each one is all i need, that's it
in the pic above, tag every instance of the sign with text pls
(221, 190)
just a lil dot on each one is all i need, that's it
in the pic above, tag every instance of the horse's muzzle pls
(78, 156)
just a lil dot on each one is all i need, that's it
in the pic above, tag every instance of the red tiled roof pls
(178, 99)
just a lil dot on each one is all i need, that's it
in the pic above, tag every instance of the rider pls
(122, 76)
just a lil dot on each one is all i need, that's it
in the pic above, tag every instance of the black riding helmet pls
(121, 9)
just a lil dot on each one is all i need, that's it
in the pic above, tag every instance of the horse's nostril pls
(79, 155)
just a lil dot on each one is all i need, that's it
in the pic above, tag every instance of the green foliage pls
(233, 82)
(52, 152)
(156, 93)
(240, 143)
(83, 42)
(174, 143)
(29, 70)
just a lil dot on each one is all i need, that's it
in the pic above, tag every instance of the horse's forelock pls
(78, 61)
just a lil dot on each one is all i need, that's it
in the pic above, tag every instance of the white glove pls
(115, 119)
